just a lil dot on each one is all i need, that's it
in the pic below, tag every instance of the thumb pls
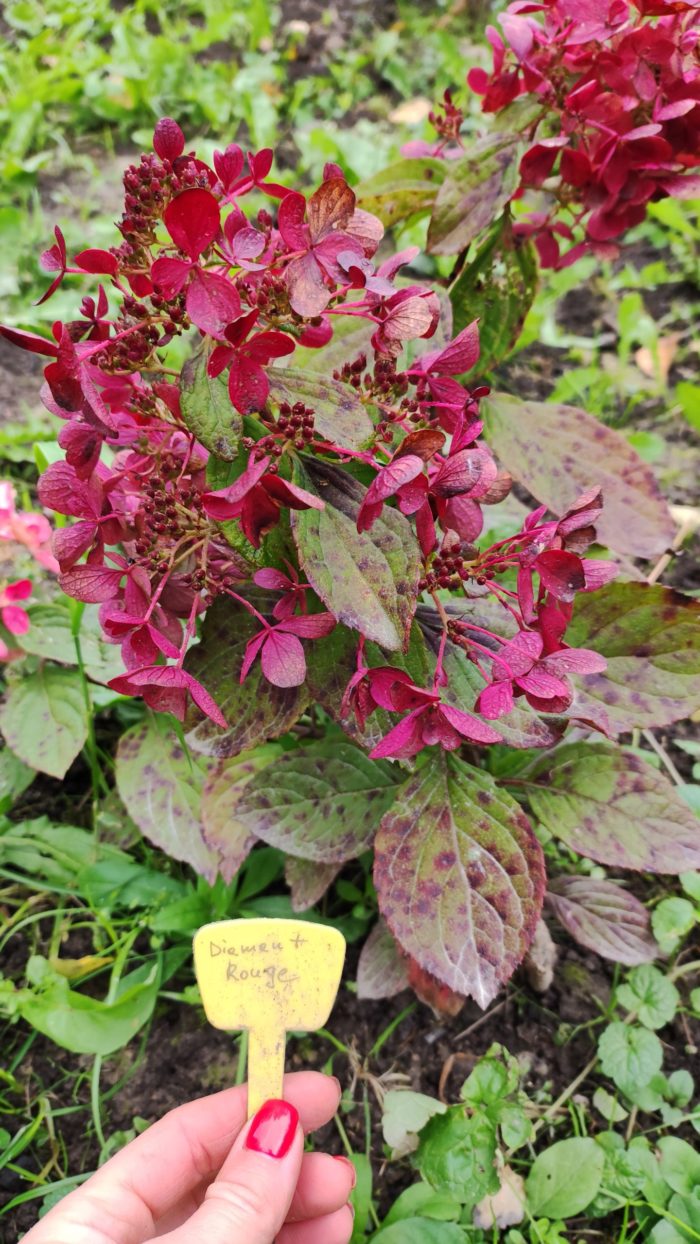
(250, 1197)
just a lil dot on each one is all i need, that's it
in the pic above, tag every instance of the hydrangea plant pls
(290, 537)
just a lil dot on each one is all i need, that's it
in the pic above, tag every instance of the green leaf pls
(339, 415)
(256, 711)
(650, 637)
(652, 997)
(688, 397)
(671, 921)
(44, 718)
(476, 189)
(623, 1175)
(161, 787)
(456, 1154)
(86, 1025)
(207, 410)
(604, 918)
(51, 636)
(691, 884)
(405, 189)
(368, 579)
(680, 1165)
(323, 802)
(15, 777)
(46, 852)
(361, 1196)
(420, 1231)
(422, 1200)
(459, 877)
(611, 806)
(609, 1106)
(558, 452)
(497, 288)
(629, 1055)
(223, 789)
(565, 1178)
(405, 1114)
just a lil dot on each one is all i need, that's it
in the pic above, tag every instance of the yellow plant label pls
(268, 977)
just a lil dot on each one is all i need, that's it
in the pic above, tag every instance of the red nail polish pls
(339, 1157)
(273, 1129)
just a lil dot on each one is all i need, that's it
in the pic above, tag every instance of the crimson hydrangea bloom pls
(256, 499)
(13, 616)
(166, 688)
(428, 721)
(519, 668)
(246, 358)
(193, 222)
(280, 649)
(317, 232)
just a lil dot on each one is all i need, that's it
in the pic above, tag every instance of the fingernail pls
(273, 1129)
(338, 1157)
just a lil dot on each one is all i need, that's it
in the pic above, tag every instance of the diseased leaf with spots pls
(650, 637)
(207, 410)
(405, 189)
(497, 288)
(43, 718)
(367, 579)
(161, 788)
(611, 806)
(459, 876)
(558, 452)
(256, 710)
(308, 881)
(604, 918)
(474, 192)
(382, 970)
(323, 802)
(339, 415)
(224, 785)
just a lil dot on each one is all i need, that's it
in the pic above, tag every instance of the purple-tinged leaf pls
(207, 410)
(339, 415)
(460, 877)
(256, 711)
(161, 788)
(475, 190)
(611, 806)
(604, 918)
(323, 802)
(650, 637)
(405, 189)
(308, 881)
(382, 971)
(369, 579)
(223, 787)
(559, 451)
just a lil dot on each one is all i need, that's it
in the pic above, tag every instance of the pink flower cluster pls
(615, 120)
(154, 544)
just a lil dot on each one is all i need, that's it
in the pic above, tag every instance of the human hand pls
(202, 1175)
